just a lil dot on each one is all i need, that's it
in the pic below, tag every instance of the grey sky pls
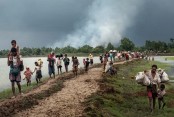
(37, 23)
(154, 21)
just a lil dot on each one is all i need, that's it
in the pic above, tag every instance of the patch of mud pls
(67, 102)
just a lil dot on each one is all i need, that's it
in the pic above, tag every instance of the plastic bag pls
(146, 81)
(164, 77)
(140, 77)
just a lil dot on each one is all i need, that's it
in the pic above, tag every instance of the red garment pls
(149, 94)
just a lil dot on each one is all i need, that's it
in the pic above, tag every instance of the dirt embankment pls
(10, 107)
(56, 98)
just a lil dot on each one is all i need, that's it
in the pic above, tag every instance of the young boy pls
(161, 93)
(59, 65)
(75, 65)
(28, 75)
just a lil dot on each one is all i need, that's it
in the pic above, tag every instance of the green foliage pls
(110, 47)
(127, 44)
(124, 97)
(99, 49)
(68, 49)
(85, 49)
(156, 46)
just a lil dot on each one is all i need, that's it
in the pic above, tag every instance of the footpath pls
(49, 100)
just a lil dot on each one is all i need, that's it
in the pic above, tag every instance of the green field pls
(170, 58)
(8, 92)
(121, 96)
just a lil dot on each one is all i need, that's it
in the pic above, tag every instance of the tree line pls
(125, 44)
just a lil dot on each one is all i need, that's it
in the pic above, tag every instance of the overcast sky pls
(37, 23)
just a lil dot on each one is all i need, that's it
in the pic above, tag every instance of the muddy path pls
(67, 102)
(60, 97)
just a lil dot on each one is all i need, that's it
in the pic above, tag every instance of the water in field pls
(4, 69)
(170, 72)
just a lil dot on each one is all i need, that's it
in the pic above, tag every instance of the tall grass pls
(121, 96)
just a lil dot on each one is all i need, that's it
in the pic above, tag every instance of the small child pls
(14, 45)
(101, 58)
(161, 93)
(10, 58)
(112, 70)
(59, 65)
(28, 75)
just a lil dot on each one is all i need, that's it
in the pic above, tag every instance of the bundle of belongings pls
(40, 62)
(142, 77)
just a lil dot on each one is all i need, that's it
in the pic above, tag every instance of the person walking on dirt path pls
(111, 55)
(114, 55)
(152, 88)
(75, 66)
(84, 62)
(38, 71)
(51, 61)
(28, 75)
(101, 58)
(105, 62)
(59, 65)
(66, 62)
(15, 73)
(87, 65)
(91, 58)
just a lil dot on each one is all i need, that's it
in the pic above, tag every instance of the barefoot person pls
(161, 93)
(66, 62)
(152, 88)
(14, 45)
(51, 61)
(59, 65)
(91, 58)
(87, 65)
(38, 71)
(15, 74)
(75, 65)
(28, 75)
(105, 62)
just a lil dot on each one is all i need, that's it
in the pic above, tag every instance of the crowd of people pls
(15, 63)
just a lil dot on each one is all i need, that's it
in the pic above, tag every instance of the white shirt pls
(154, 80)
(59, 62)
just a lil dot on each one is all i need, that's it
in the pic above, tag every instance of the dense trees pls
(125, 44)
(110, 47)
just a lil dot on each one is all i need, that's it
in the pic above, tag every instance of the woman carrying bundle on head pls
(38, 71)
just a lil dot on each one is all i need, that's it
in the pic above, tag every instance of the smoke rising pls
(106, 22)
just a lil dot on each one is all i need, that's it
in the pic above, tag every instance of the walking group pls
(16, 65)
(154, 79)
